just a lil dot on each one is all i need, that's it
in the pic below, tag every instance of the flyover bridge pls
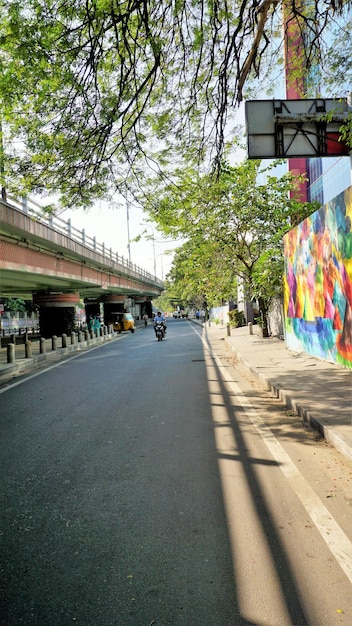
(45, 258)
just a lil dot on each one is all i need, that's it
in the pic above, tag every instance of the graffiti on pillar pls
(318, 282)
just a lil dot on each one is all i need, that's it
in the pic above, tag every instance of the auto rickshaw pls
(123, 321)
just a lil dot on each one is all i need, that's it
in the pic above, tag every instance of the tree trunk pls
(263, 315)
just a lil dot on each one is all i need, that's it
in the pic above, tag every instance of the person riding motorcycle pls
(159, 319)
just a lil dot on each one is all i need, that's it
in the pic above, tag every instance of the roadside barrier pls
(79, 340)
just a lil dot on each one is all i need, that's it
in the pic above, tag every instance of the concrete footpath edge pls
(287, 397)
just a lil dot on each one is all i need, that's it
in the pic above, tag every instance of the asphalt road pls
(136, 492)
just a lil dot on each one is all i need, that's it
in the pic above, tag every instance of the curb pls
(325, 430)
(22, 365)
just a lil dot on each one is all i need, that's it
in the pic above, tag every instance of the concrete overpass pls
(47, 259)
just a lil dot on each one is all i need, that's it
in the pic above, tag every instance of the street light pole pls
(128, 230)
(153, 239)
(2, 166)
(161, 262)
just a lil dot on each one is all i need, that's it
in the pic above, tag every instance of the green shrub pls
(236, 318)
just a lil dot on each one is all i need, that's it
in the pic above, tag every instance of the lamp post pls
(128, 230)
(161, 262)
(153, 239)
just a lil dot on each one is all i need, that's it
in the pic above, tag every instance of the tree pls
(14, 305)
(94, 93)
(234, 226)
(201, 273)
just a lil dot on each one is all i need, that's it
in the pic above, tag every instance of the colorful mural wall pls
(318, 283)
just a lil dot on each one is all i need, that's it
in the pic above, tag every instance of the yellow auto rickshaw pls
(123, 321)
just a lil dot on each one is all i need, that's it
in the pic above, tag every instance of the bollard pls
(80, 336)
(28, 349)
(250, 328)
(54, 342)
(228, 329)
(86, 334)
(42, 345)
(13, 339)
(91, 334)
(64, 340)
(73, 337)
(11, 357)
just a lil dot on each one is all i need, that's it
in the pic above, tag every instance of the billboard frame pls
(295, 128)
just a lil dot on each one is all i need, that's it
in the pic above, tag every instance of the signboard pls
(295, 128)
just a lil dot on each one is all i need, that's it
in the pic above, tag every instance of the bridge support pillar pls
(113, 304)
(56, 312)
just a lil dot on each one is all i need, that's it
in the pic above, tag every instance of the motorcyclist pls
(159, 319)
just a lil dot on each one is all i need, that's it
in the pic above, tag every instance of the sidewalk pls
(318, 391)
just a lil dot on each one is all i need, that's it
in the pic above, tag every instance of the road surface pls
(149, 483)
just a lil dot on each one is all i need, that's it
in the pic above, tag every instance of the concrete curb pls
(286, 397)
(23, 365)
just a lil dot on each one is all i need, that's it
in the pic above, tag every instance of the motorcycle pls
(160, 331)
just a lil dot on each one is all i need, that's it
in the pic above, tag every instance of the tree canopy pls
(233, 226)
(94, 94)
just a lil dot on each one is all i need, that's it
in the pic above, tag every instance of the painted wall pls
(318, 283)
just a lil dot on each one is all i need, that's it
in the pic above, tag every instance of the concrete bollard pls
(73, 337)
(42, 345)
(228, 329)
(250, 328)
(64, 340)
(28, 349)
(80, 336)
(11, 357)
(86, 335)
(54, 342)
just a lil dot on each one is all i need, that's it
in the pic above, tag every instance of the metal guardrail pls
(37, 212)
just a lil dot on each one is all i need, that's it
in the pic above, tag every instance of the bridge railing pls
(36, 211)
